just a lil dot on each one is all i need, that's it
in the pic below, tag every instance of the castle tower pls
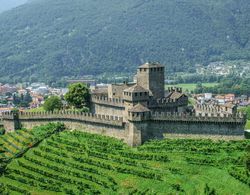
(134, 95)
(137, 120)
(151, 77)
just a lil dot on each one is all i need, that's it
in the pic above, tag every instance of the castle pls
(146, 94)
(139, 111)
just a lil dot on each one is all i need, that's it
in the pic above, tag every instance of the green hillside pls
(48, 39)
(72, 162)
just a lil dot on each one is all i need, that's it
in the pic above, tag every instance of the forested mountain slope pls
(49, 39)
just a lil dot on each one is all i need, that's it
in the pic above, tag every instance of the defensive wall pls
(213, 124)
(139, 127)
(107, 106)
(203, 108)
(115, 106)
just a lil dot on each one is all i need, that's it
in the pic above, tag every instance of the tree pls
(27, 98)
(16, 99)
(248, 158)
(53, 103)
(78, 95)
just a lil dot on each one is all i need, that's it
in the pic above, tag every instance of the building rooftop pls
(100, 91)
(151, 65)
(139, 108)
(136, 88)
(175, 95)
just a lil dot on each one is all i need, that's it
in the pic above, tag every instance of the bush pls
(2, 131)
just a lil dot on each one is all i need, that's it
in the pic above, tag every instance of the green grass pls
(248, 124)
(39, 109)
(191, 86)
(73, 162)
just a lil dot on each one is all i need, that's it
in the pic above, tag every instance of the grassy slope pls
(177, 174)
(191, 86)
(248, 124)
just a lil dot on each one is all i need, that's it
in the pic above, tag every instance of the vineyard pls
(48, 160)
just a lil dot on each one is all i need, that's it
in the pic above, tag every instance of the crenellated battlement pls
(107, 101)
(166, 102)
(208, 108)
(209, 117)
(67, 115)
(214, 108)
(141, 126)
(175, 89)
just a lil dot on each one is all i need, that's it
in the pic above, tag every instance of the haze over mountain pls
(9, 4)
(49, 39)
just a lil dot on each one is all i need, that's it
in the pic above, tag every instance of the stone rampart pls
(208, 108)
(103, 100)
(80, 116)
(186, 117)
(204, 108)
(165, 103)
(134, 132)
(112, 126)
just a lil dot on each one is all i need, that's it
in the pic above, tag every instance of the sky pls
(9, 4)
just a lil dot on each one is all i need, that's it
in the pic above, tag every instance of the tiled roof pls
(175, 95)
(136, 88)
(100, 91)
(139, 108)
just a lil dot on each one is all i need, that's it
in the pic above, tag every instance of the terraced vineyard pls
(72, 162)
(16, 143)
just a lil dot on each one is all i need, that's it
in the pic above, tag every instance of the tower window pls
(140, 93)
(135, 94)
(145, 69)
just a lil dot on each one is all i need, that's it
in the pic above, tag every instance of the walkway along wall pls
(138, 129)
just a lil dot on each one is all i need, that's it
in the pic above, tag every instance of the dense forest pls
(49, 39)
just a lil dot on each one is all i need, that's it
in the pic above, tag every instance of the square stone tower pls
(151, 77)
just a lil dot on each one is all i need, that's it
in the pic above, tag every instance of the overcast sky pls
(8, 4)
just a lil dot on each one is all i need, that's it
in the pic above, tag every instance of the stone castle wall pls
(107, 106)
(112, 126)
(115, 106)
(103, 100)
(105, 109)
(134, 132)
(213, 109)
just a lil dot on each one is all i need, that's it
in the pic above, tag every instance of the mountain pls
(49, 39)
(9, 4)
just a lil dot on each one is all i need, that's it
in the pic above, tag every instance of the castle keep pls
(139, 111)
